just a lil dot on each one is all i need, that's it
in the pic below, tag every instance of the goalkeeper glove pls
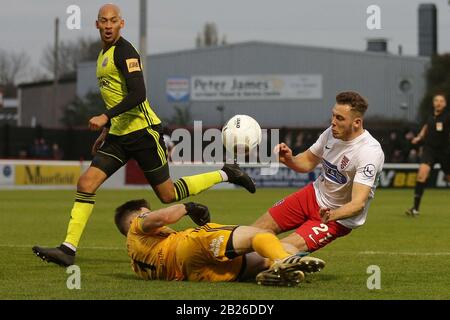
(198, 213)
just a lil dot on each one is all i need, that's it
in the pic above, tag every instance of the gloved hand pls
(198, 213)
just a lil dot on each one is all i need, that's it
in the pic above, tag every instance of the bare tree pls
(209, 37)
(70, 53)
(78, 113)
(13, 66)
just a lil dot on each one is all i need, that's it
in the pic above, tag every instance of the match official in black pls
(435, 135)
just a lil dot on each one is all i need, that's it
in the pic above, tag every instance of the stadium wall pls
(36, 174)
(43, 103)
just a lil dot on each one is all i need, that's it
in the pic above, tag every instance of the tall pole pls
(143, 35)
(56, 74)
(55, 52)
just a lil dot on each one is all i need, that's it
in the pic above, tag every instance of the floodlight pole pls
(56, 73)
(143, 35)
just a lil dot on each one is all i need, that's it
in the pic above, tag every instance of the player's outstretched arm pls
(170, 215)
(162, 217)
(360, 193)
(303, 162)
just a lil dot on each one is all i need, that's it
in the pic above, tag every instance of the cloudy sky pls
(27, 25)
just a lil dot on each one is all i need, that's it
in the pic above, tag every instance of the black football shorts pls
(430, 156)
(146, 146)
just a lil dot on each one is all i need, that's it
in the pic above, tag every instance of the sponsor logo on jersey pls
(332, 172)
(344, 162)
(215, 244)
(105, 62)
(133, 65)
(369, 170)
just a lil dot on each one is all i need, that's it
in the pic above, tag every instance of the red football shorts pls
(300, 210)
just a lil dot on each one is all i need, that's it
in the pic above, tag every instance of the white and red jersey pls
(344, 163)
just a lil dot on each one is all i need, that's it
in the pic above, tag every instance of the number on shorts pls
(317, 230)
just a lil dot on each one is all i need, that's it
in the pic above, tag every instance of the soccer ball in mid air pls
(241, 134)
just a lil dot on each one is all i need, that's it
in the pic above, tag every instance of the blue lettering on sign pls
(332, 173)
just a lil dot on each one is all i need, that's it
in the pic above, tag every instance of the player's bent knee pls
(86, 184)
(267, 223)
(90, 182)
(166, 197)
(421, 179)
(294, 243)
(424, 171)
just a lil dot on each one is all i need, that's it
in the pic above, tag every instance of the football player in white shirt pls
(338, 200)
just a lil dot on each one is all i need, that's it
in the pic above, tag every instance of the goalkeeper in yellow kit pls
(130, 130)
(211, 252)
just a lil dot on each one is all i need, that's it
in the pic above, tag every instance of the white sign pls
(7, 174)
(256, 87)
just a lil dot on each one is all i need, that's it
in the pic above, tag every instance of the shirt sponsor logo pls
(133, 65)
(439, 126)
(332, 172)
(369, 170)
(215, 244)
(105, 62)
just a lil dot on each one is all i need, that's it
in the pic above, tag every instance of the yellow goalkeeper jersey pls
(153, 257)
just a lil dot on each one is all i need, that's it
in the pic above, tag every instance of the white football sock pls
(224, 175)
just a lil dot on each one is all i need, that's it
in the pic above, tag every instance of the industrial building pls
(280, 85)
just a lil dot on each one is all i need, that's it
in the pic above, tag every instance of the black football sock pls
(418, 192)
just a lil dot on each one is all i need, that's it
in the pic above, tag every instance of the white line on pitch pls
(89, 248)
(405, 253)
(390, 253)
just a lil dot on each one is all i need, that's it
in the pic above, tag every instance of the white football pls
(241, 134)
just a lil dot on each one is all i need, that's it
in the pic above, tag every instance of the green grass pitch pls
(413, 253)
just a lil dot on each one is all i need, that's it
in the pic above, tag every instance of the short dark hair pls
(354, 100)
(440, 93)
(125, 210)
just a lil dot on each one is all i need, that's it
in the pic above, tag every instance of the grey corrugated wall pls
(375, 75)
